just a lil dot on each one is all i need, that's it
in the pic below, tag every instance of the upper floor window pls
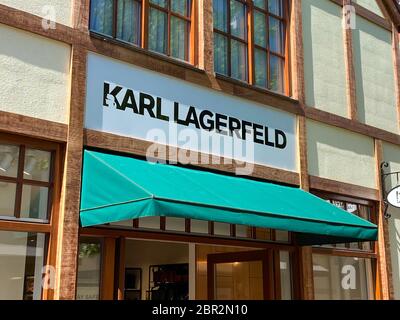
(250, 41)
(163, 26)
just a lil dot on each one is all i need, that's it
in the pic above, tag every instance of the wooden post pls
(67, 249)
(206, 37)
(384, 267)
(108, 269)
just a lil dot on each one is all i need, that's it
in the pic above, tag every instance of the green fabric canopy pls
(116, 188)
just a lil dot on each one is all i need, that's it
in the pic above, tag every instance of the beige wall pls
(34, 73)
(391, 154)
(324, 68)
(371, 5)
(374, 71)
(340, 155)
(42, 8)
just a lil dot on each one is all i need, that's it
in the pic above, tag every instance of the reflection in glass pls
(128, 23)
(238, 19)
(220, 15)
(276, 74)
(342, 278)
(175, 224)
(220, 54)
(222, 229)
(21, 261)
(179, 29)
(101, 16)
(286, 275)
(198, 226)
(7, 198)
(261, 4)
(9, 160)
(89, 264)
(158, 31)
(260, 68)
(37, 165)
(160, 3)
(238, 60)
(34, 202)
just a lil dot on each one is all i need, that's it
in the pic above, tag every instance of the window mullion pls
(115, 18)
(229, 36)
(250, 41)
(20, 177)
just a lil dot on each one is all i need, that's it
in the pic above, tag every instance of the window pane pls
(238, 19)
(263, 234)
(276, 74)
(180, 6)
(260, 68)
(238, 60)
(160, 3)
(275, 7)
(150, 223)
(9, 160)
(260, 26)
(89, 264)
(179, 29)
(34, 202)
(261, 4)
(282, 235)
(276, 36)
(37, 165)
(128, 25)
(158, 31)
(21, 261)
(101, 16)
(286, 275)
(220, 15)
(342, 278)
(7, 198)
(220, 54)
(243, 231)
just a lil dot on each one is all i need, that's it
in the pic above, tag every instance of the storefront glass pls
(22, 257)
(342, 278)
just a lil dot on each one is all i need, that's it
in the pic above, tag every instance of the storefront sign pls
(131, 101)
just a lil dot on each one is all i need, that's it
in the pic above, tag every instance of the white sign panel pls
(130, 101)
(393, 197)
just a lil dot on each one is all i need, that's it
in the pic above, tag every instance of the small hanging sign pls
(393, 196)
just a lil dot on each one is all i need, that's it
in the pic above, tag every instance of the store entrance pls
(238, 276)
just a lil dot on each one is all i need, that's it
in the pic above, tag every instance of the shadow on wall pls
(33, 50)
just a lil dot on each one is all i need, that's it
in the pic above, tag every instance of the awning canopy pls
(117, 188)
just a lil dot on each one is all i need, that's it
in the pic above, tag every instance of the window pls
(346, 271)
(250, 41)
(162, 26)
(26, 182)
(22, 257)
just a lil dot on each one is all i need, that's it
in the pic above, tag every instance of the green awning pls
(117, 188)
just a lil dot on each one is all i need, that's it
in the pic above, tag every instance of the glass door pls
(239, 276)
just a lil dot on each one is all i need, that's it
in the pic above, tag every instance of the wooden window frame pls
(251, 46)
(50, 227)
(191, 53)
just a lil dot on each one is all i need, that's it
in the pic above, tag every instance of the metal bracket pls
(384, 175)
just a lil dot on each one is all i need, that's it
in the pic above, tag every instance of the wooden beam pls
(348, 124)
(349, 64)
(347, 189)
(372, 17)
(10, 225)
(33, 127)
(81, 13)
(384, 278)
(206, 36)
(69, 214)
